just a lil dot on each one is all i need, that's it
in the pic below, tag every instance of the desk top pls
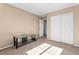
(24, 35)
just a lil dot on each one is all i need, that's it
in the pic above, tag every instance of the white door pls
(41, 28)
(55, 28)
(67, 28)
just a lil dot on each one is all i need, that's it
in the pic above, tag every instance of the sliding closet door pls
(67, 28)
(55, 28)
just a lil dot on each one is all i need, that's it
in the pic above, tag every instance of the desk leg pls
(14, 41)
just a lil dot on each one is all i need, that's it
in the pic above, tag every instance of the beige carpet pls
(67, 49)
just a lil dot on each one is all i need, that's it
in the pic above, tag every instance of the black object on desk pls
(24, 39)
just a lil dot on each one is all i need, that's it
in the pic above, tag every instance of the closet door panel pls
(67, 28)
(55, 28)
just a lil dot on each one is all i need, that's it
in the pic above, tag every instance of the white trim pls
(76, 45)
(6, 47)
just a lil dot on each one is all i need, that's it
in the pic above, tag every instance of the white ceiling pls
(41, 9)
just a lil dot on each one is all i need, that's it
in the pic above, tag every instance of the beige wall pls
(14, 21)
(75, 10)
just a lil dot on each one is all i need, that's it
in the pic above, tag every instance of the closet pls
(61, 28)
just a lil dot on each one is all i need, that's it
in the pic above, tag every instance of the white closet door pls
(55, 28)
(67, 28)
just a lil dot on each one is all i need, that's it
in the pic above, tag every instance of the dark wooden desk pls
(24, 39)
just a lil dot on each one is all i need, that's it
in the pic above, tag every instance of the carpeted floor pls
(67, 49)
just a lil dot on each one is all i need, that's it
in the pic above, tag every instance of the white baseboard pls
(76, 45)
(6, 47)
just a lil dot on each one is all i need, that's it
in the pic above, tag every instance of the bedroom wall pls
(75, 10)
(14, 21)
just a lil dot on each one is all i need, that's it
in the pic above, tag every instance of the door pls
(55, 28)
(67, 28)
(41, 28)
